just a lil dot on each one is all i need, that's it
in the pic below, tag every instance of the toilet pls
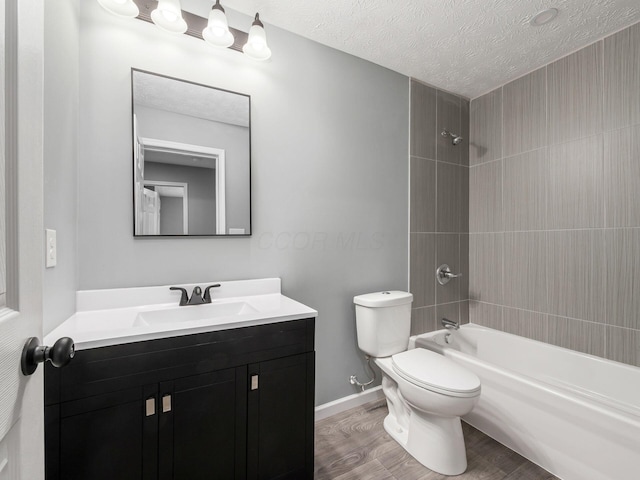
(426, 392)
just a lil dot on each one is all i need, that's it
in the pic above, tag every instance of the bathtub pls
(576, 415)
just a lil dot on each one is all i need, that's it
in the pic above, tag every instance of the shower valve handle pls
(444, 274)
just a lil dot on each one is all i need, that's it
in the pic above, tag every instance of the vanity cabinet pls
(231, 404)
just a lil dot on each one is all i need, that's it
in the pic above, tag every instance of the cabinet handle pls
(166, 403)
(150, 407)
(254, 382)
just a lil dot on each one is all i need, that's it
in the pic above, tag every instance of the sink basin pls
(194, 313)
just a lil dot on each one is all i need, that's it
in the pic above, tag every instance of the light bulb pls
(121, 8)
(217, 31)
(168, 16)
(256, 46)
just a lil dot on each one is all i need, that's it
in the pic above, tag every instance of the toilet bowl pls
(426, 393)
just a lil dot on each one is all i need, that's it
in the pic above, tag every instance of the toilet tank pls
(383, 322)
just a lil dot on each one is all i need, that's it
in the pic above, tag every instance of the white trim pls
(345, 403)
(221, 196)
(185, 199)
(208, 152)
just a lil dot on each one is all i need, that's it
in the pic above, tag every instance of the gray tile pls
(530, 471)
(575, 197)
(448, 251)
(464, 266)
(372, 470)
(623, 345)
(485, 136)
(496, 454)
(525, 323)
(485, 267)
(351, 442)
(485, 197)
(448, 119)
(622, 177)
(622, 78)
(622, 249)
(423, 121)
(525, 261)
(464, 312)
(452, 208)
(525, 191)
(423, 320)
(574, 95)
(422, 268)
(450, 311)
(423, 195)
(464, 198)
(586, 337)
(525, 113)
(464, 131)
(575, 266)
(486, 315)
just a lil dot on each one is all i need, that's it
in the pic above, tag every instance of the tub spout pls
(450, 324)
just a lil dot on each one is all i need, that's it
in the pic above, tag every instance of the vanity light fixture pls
(168, 16)
(217, 32)
(256, 46)
(121, 8)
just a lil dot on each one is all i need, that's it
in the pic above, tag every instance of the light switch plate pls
(51, 249)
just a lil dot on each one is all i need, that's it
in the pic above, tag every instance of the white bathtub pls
(575, 415)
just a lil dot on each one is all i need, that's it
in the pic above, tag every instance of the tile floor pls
(354, 445)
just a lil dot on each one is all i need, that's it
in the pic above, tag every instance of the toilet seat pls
(434, 372)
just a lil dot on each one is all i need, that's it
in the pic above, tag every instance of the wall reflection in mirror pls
(192, 156)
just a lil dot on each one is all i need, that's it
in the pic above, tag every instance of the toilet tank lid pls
(383, 299)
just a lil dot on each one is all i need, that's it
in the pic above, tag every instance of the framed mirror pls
(191, 158)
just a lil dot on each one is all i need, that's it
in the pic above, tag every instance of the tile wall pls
(554, 199)
(439, 206)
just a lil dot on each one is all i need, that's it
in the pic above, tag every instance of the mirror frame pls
(133, 159)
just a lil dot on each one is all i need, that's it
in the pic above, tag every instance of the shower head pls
(455, 139)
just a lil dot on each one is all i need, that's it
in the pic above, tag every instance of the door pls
(150, 212)
(21, 244)
(202, 426)
(280, 418)
(104, 437)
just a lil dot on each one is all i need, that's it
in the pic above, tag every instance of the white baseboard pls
(345, 403)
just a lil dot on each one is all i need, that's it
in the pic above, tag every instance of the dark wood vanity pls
(230, 404)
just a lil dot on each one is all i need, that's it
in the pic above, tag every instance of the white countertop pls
(126, 315)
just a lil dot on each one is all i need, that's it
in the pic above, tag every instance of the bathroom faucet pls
(450, 324)
(196, 296)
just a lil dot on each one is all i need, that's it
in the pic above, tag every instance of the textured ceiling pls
(190, 99)
(464, 46)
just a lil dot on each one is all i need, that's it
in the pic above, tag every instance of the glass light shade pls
(121, 8)
(217, 32)
(256, 46)
(168, 16)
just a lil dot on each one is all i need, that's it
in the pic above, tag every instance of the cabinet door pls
(105, 437)
(202, 428)
(280, 422)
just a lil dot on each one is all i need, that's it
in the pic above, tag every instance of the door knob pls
(60, 354)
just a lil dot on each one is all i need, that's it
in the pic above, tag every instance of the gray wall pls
(61, 37)
(329, 175)
(555, 202)
(233, 139)
(201, 193)
(439, 221)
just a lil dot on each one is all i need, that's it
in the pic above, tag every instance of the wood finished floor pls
(353, 445)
